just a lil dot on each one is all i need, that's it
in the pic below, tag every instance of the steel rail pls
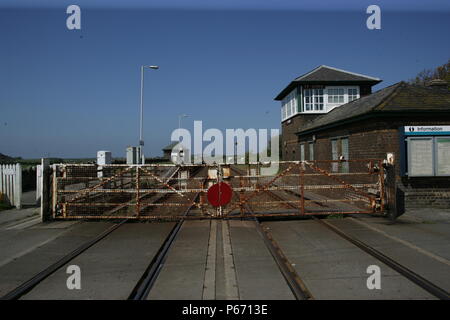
(417, 279)
(151, 273)
(293, 280)
(428, 286)
(295, 283)
(147, 280)
(28, 285)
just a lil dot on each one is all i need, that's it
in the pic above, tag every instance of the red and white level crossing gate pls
(166, 191)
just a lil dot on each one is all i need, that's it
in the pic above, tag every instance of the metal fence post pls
(138, 181)
(219, 181)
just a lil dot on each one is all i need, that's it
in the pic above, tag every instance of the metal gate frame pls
(104, 185)
(374, 167)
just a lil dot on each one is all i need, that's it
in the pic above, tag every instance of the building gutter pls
(373, 114)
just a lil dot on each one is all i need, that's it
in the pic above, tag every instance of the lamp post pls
(181, 152)
(181, 116)
(141, 139)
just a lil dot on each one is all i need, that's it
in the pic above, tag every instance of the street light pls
(141, 139)
(181, 152)
(181, 116)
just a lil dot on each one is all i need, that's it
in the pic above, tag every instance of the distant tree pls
(5, 157)
(425, 76)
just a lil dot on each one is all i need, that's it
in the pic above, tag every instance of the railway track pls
(30, 284)
(143, 286)
(293, 280)
(298, 288)
(295, 283)
(428, 286)
(148, 278)
(145, 283)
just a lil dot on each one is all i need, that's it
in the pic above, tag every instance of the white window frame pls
(327, 106)
(312, 104)
(289, 105)
(331, 105)
(338, 149)
(334, 154)
(335, 95)
(356, 96)
(311, 151)
(302, 152)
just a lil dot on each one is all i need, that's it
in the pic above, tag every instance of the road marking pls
(10, 223)
(209, 284)
(30, 249)
(231, 288)
(25, 224)
(57, 225)
(404, 242)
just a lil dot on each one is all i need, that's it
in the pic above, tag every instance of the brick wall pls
(375, 137)
(367, 139)
(289, 139)
(426, 192)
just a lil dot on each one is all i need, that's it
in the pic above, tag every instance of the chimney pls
(438, 83)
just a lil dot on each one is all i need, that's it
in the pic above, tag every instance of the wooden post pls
(395, 198)
(18, 186)
(302, 188)
(45, 190)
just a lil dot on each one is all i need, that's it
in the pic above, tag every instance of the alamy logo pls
(74, 280)
(374, 280)
(74, 20)
(235, 146)
(374, 20)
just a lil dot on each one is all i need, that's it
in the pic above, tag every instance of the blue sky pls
(70, 93)
(324, 5)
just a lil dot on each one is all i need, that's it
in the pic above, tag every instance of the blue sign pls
(427, 130)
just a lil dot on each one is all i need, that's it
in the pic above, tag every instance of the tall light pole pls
(141, 139)
(181, 116)
(181, 152)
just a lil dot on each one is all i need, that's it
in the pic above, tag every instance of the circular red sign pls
(219, 194)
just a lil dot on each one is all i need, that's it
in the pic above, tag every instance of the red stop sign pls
(219, 194)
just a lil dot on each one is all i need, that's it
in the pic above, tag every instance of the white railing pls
(11, 184)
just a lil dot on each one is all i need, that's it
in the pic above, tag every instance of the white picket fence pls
(11, 184)
(39, 175)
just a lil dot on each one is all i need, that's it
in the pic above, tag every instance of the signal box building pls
(330, 113)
